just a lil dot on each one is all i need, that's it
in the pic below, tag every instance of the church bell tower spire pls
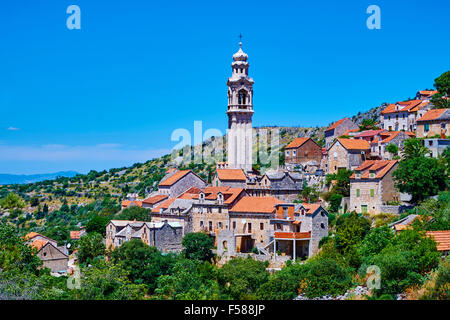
(240, 112)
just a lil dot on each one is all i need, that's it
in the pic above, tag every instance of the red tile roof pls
(75, 235)
(38, 244)
(31, 235)
(336, 124)
(442, 238)
(155, 199)
(369, 133)
(164, 205)
(403, 106)
(297, 142)
(381, 168)
(428, 92)
(171, 180)
(231, 174)
(354, 144)
(126, 203)
(256, 205)
(432, 114)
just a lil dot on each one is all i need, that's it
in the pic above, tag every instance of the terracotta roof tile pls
(231, 174)
(38, 244)
(31, 235)
(297, 142)
(381, 168)
(164, 205)
(403, 106)
(354, 144)
(74, 235)
(336, 124)
(369, 133)
(256, 205)
(433, 114)
(174, 178)
(442, 239)
(292, 235)
(155, 199)
(126, 203)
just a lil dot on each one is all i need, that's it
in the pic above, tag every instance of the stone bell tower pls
(240, 112)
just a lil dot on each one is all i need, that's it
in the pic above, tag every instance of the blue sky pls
(112, 93)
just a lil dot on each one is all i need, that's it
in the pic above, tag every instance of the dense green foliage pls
(198, 246)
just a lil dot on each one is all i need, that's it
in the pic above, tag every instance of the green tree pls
(413, 148)
(420, 176)
(97, 224)
(135, 213)
(12, 201)
(143, 263)
(105, 281)
(190, 280)
(335, 202)
(442, 84)
(90, 247)
(392, 149)
(198, 246)
(240, 278)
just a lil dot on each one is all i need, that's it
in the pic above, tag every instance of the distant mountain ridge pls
(31, 178)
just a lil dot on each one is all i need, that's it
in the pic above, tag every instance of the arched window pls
(242, 98)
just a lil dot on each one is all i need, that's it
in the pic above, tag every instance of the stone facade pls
(165, 236)
(53, 258)
(307, 151)
(341, 158)
(181, 185)
(436, 146)
(371, 189)
(338, 129)
(426, 129)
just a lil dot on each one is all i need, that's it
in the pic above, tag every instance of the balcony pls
(292, 235)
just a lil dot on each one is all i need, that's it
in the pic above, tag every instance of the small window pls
(426, 127)
(357, 193)
(322, 226)
(261, 226)
(234, 224)
(287, 153)
(249, 227)
(294, 153)
(372, 193)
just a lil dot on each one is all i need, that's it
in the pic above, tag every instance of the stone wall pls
(395, 209)
(166, 238)
(308, 151)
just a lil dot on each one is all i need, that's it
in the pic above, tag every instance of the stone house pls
(210, 212)
(302, 150)
(436, 146)
(403, 115)
(298, 229)
(435, 122)
(378, 146)
(176, 210)
(347, 154)
(234, 178)
(249, 220)
(372, 186)
(286, 186)
(53, 257)
(165, 236)
(338, 129)
(175, 183)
